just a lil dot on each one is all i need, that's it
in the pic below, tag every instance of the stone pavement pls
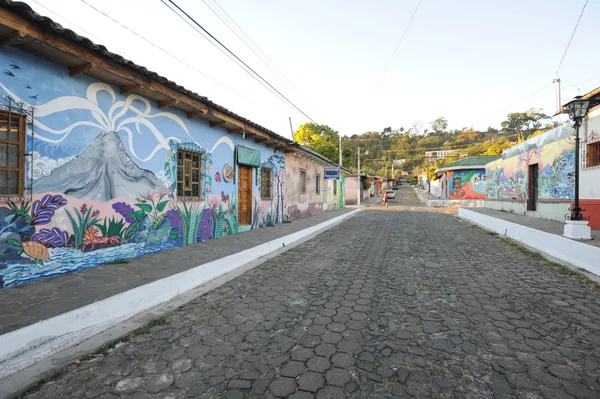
(548, 226)
(401, 303)
(29, 303)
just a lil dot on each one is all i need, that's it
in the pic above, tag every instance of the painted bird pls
(15, 66)
(34, 97)
(9, 73)
(28, 87)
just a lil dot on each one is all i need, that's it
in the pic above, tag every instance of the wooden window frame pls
(592, 155)
(182, 187)
(266, 194)
(20, 142)
(318, 183)
(302, 181)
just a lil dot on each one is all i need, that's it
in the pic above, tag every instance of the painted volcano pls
(100, 173)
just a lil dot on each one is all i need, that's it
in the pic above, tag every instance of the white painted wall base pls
(435, 202)
(578, 229)
(576, 253)
(24, 347)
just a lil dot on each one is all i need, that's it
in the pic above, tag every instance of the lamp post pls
(359, 180)
(576, 226)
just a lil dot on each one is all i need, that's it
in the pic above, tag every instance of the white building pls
(435, 155)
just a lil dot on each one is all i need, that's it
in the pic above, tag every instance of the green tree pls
(319, 138)
(439, 125)
(524, 123)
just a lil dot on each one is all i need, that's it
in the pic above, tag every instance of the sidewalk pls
(540, 234)
(77, 305)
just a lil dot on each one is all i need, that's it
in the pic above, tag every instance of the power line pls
(72, 23)
(236, 57)
(571, 39)
(512, 105)
(168, 53)
(398, 46)
(247, 40)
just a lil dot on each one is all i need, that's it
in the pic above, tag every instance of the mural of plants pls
(190, 221)
(81, 220)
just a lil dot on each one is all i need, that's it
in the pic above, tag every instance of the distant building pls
(435, 155)
(398, 162)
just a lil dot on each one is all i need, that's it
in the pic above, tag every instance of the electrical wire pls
(247, 40)
(168, 53)
(571, 39)
(512, 105)
(235, 56)
(398, 46)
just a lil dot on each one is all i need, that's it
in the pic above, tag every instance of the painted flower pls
(124, 210)
(214, 201)
(170, 153)
(218, 177)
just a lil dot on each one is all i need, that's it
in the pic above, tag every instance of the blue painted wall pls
(100, 180)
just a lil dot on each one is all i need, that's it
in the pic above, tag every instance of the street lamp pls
(576, 226)
(359, 181)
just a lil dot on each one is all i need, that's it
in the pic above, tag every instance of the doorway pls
(244, 195)
(532, 187)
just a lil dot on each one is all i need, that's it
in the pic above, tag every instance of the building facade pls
(98, 164)
(307, 191)
(537, 177)
(435, 155)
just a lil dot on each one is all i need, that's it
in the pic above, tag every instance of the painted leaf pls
(145, 207)
(137, 214)
(13, 242)
(54, 237)
(161, 206)
(43, 217)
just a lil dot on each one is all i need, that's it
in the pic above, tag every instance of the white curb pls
(24, 347)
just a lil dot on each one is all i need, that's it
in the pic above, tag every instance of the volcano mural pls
(102, 172)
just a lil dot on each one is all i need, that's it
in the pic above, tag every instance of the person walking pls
(385, 198)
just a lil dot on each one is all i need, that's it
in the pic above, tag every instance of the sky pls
(469, 61)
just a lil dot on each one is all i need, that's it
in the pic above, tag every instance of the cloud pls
(42, 165)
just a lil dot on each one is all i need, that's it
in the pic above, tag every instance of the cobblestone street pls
(405, 302)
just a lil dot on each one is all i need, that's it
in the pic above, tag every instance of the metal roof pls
(469, 163)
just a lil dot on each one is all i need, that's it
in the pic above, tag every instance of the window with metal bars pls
(318, 183)
(12, 154)
(592, 155)
(302, 182)
(265, 184)
(189, 172)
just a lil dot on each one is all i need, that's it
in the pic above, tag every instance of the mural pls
(103, 177)
(467, 184)
(507, 178)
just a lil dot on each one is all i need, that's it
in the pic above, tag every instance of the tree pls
(439, 125)
(524, 123)
(415, 130)
(319, 138)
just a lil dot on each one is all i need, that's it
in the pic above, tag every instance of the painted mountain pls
(102, 172)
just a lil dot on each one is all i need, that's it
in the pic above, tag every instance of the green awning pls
(248, 156)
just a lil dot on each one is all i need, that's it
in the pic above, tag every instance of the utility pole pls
(558, 94)
(291, 128)
(340, 151)
(359, 181)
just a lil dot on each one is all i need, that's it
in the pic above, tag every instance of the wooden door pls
(244, 195)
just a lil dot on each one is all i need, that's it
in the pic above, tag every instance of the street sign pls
(331, 174)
